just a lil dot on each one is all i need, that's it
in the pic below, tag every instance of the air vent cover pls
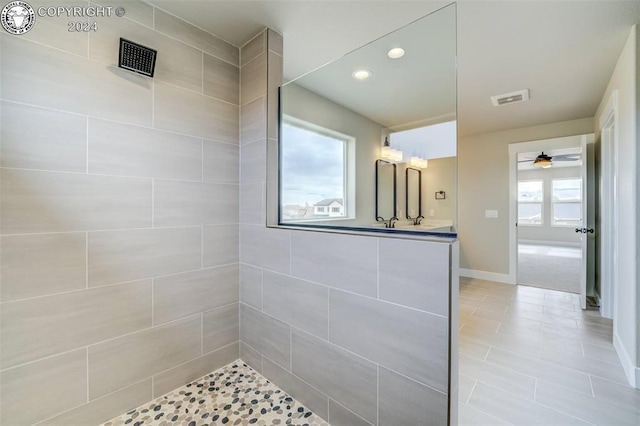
(510, 98)
(137, 58)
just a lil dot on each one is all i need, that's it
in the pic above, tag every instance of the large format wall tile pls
(193, 370)
(251, 357)
(193, 114)
(405, 340)
(251, 286)
(38, 202)
(253, 162)
(340, 375)
(29, 71)
(221, 162)
(37, 391)
(405, 402)
(126, 360)
(220, 245)
(221, 79)
(415, 273)
(181, 295)
(177, 203)
(315, 400)
(44, 326)
(119, 256)
(135, 10)
(220, 327)
(196, 37)
(36, 265)
(52, 31)
(253, 48)
(342, 261)
(340, 416)
(28, 140)
(253, 81)
(105, 408)
(253, 122)
(300, 303)
(176, 62)
(120, 149)
(252, 206)
(265, 248)
(265, 334)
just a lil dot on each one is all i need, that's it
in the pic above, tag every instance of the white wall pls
(625, 81)
(546, 232)
(483, 183)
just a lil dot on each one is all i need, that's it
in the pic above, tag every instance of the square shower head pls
(137, 58)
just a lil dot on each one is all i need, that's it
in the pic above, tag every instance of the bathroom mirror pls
(413, 195)
(393, 99)
(386, 178)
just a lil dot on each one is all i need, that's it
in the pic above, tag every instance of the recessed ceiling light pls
(361, 74)
(395, 53)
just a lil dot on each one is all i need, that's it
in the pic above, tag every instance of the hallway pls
(531, 356)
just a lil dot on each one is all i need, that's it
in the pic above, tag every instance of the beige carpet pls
(552, 267)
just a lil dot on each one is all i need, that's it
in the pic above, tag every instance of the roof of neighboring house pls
(328, 201)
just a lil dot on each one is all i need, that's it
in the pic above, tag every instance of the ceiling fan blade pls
(565, 158)
(525, 161)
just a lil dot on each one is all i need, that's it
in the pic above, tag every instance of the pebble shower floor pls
(232, 395)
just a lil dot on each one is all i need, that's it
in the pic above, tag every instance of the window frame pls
(541, 202)
(552, 203)
(348, 172)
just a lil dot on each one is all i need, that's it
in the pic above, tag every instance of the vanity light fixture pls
(396, 53)
(361, 74)
(389, 154)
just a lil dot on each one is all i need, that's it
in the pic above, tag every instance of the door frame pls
(574, 141)
(608, 125)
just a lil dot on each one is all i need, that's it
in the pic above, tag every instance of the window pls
(314, 172)
(566, 202)
(530, 200)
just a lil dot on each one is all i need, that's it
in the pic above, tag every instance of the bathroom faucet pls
(392, 223)
(418, 220)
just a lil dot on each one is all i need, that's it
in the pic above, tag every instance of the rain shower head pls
(137, 58)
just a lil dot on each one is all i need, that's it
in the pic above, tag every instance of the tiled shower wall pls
(355, 327)
(119, 216)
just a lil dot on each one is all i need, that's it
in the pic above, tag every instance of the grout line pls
(201, 333)
(168, 179)
(86, 260)
(202, 247)
(153, 104)
(475, 382)
(87, 146)
(87, 353)
(377, 394)
(535, 388)
(593, 393)
(153, 388)
(153, 285)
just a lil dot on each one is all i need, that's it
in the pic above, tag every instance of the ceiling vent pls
(510, 98)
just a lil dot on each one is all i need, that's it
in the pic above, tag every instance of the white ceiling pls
(563, 51)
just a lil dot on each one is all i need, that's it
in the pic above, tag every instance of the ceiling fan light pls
(542, 162)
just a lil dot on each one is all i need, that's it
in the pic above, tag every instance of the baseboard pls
(630, 370)
(488, 276)
(550, 243)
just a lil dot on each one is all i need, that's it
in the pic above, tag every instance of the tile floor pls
(233, 395)
(531, 356)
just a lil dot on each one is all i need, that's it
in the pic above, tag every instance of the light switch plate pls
(491, 214)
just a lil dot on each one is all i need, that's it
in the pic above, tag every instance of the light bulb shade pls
(385, 153)
(416, 161)
(544, 163)
(424, 164)
(397, 155)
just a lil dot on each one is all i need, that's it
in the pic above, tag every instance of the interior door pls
(585, 230)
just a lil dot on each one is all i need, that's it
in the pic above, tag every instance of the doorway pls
(550, 206)
(551, 239)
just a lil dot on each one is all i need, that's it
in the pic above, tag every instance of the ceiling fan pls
(545, 161)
